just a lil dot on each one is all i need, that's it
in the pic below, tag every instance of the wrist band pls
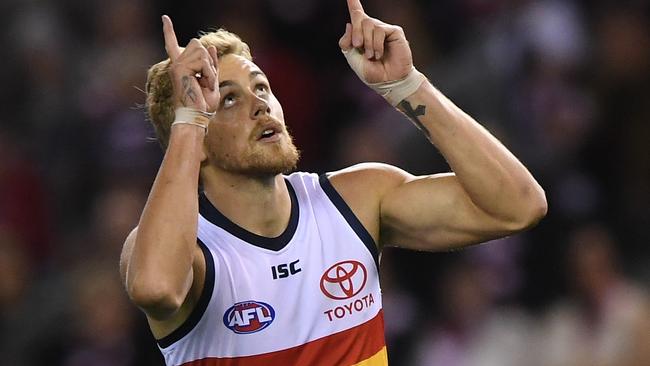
(191, 116)
(397, 90)
(198, 124)
(393, 91)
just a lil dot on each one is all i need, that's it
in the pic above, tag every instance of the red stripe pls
(344, 348)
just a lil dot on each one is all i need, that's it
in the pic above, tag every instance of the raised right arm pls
(159, 257)
(159, 271)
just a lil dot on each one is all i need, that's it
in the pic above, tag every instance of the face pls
(248, 135)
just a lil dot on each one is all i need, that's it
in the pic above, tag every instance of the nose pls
(260, 107)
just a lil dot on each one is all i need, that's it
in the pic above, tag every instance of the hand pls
(193, 70)
(376, 51)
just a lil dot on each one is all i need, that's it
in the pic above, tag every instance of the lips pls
(269, 131)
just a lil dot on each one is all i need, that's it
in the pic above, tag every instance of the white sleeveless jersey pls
(308, 297)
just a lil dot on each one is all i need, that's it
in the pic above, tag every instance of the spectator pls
(605, 320)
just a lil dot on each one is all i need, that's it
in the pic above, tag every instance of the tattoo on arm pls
(413, 115)
(188, 91)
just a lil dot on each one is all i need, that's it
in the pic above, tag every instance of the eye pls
(261, 89)
(228, 101)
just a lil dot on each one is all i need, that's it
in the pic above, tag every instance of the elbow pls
(155, 298)
(534, 209)
(538, 210)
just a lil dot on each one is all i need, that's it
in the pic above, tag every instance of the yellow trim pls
(378, 359)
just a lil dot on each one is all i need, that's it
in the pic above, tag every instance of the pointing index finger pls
(171, 44)
(355, 9)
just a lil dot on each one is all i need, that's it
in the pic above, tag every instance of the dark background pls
(564, 84)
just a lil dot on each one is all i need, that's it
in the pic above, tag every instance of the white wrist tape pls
(393, 91)
(191, 116)
(397, 90)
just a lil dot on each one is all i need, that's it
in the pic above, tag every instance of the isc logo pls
(285, 270)
(248, 317)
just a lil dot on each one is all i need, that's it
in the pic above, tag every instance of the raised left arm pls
(489, 195)
(490, 192)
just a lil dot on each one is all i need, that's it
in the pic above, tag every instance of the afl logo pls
(248, 317)
(343, 280)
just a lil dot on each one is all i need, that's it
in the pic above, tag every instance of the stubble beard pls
(262, 160)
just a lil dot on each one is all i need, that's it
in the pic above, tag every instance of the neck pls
(260, 205)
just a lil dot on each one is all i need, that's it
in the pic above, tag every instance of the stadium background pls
(564, 84)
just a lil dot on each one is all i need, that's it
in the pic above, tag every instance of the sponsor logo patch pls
(248, 317)
(343, 280)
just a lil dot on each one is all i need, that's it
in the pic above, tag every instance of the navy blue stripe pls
(213, 215)
(350, 217)
(201, 305)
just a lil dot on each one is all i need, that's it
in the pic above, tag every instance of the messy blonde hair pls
(159, 104)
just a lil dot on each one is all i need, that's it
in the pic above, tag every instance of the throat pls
(261, 209)
(270, 227)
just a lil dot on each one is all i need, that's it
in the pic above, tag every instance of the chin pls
(280, 159)
(283, 163)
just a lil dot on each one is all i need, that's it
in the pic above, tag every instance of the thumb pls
(346, 40)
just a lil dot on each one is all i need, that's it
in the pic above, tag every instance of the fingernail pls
(377, 55)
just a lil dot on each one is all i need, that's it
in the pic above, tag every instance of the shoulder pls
(372, 178)
(360, 174)
(363, 187)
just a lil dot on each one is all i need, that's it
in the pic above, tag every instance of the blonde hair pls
(159, 104)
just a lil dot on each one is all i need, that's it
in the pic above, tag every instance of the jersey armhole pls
(350, 217)
(201, 304)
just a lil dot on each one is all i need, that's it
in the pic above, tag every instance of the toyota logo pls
(343, 280)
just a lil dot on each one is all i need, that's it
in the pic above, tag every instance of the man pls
(266, 268)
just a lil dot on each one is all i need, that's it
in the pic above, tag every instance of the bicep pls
(164, 326)
(434, 213)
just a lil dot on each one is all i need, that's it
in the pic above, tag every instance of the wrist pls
(394, 91)
(397, 90)
(190, 117)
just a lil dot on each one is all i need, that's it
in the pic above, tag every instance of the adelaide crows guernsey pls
(310, 296)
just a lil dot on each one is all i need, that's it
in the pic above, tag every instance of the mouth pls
(270, 132)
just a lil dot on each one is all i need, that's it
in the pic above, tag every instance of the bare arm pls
(158, 257)
(159, 272)
(490, 193)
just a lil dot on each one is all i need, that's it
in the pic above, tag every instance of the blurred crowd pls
(565, 84)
